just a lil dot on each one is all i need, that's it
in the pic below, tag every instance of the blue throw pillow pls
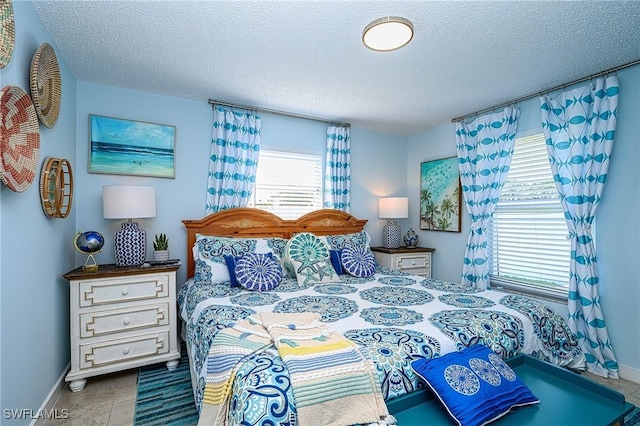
(358, 261)
(475, 385)
(257, 271)
(231, 266)
(335, 260)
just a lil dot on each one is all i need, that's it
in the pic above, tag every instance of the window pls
(528, 248)
(288, 184)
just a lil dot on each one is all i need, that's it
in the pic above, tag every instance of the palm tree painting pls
(440, 195)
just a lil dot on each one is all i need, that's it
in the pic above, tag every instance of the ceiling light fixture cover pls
(389, 33)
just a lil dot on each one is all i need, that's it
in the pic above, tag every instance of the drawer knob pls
(125, 291)
(413, 262)
(126, 321)
(125, 350)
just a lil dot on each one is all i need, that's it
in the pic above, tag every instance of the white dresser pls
(416, 261)
(121, 318)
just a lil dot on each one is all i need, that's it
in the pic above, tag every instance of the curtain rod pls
(273, 111)
(561, 86)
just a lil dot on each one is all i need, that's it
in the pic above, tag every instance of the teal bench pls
(566, 398)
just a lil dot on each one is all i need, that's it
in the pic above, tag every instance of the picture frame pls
(130, 147)
(440, 195)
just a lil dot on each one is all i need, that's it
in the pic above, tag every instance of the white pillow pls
(311, 260)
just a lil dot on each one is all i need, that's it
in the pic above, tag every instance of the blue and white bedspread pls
(394, 318)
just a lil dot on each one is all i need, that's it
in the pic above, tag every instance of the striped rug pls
(165, 397)
(633, 419)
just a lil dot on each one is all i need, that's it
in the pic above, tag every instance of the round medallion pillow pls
(358, 261)
(258, 272)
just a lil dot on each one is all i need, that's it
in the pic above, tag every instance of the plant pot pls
(159, 255)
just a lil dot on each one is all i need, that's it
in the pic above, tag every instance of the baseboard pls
(52, 398)
(629, 373)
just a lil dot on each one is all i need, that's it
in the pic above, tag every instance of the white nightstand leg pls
(77, 385)
(173, 364)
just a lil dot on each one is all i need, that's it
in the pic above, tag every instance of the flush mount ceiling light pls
(389, 33)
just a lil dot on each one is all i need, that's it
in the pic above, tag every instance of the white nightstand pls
(121, 318)
(416, 261)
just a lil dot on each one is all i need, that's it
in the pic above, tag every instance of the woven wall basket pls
(7, 32)
(45, 83)
(19, 139)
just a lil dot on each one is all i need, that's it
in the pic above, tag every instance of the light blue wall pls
(377, 163)
(35, 250)
(617, 224)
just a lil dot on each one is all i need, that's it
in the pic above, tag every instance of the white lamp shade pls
(128, 202)
(393, 208)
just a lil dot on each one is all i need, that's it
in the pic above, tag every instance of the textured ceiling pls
(307, 57)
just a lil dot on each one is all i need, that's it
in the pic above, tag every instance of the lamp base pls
(129, 245)
(391, 234)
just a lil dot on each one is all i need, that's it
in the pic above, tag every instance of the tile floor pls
(110, 400)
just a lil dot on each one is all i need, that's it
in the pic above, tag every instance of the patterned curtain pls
(337, 174)
(579, 128)
(485, 148)
(233, 160)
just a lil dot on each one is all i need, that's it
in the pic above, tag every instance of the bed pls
(393, 318)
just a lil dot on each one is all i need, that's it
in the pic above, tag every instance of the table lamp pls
(392, 208)
(129, 202)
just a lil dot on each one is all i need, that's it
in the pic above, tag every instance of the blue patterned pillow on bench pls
(475, 385)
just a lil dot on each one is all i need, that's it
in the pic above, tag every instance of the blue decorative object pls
(358, 261)
(335, 261)
(411, 239)
(129, 243)
(475, 385)
(258, 272)
(89, 243)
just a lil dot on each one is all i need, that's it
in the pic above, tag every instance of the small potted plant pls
(161, 247)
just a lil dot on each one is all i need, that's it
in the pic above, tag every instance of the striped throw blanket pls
(332, 382)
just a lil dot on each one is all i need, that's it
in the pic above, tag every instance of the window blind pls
(288, 184)
(527, 235)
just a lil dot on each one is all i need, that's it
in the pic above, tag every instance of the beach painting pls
(440, 195)
(127, 147)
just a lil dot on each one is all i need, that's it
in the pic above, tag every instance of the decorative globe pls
(89, 242)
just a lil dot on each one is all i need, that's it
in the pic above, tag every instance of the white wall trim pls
(629, 373)
(52, 397)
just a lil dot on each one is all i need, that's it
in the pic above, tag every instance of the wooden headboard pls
(254, 223)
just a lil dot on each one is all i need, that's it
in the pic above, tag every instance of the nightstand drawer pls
(123, 289)
(409, 262)
(115, 321)
(119, 351)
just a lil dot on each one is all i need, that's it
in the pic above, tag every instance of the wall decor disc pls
(46, 87)
(7, 32)
(56, 187)
(19, 139)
